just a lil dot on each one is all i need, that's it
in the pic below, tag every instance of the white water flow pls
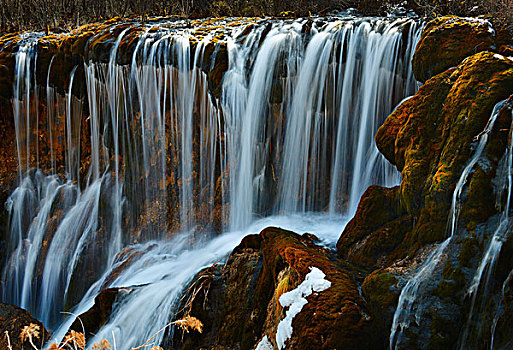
(408, 309)
(487, 263)
(159, 149)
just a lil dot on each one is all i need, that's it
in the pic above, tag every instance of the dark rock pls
(430, 138)
(378, 227)
(12, 321)
(93, 319)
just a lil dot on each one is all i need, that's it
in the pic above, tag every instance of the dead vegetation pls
(77, 341)
(59, 15)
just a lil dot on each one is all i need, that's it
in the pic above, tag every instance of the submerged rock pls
(92, 320)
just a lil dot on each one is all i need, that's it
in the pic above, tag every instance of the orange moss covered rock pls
(447, 40)
(243, 303)
(377, 228)
(429, 138)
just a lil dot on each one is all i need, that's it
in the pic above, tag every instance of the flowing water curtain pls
(124, 318)
(169, 154)
(22, 204)
(342, 78)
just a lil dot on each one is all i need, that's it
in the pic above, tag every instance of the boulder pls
(239, 302)
(13, 321)
(447, 40)
(430, 138)
(93, 319)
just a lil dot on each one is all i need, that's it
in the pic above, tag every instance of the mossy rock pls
(447, 40)
(381, 290)
(369, 241)
(243, 304)
(13, 319)
(429, 138)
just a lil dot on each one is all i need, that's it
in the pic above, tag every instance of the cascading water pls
(156, 149)
(409, 309)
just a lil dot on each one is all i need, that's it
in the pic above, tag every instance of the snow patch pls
(296, 299)
(265, 344)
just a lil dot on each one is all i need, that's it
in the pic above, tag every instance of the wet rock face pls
(446, 41)
(13, 320)
(92, 320)
(429, 138)
(8, 174)
(433, 161)
(239, 302)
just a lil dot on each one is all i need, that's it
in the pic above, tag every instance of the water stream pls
(163, 164)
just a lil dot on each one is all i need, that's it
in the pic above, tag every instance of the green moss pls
(378, 289)
(469, 250)
(451, 283)
(441, 332)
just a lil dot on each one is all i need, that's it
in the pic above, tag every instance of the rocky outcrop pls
(430, 138)
(239, 301)
(448, 40)
(16, 325)
(378, 228)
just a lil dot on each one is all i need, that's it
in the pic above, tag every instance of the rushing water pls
(161, 161)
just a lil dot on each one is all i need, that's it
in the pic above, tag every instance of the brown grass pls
(76, 340)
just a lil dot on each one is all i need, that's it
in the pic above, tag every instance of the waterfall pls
(151, 152)
(408, 307)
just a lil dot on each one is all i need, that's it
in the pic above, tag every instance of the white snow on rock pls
(296, 299)
(265, 344)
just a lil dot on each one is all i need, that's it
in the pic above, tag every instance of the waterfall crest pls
(148, 148)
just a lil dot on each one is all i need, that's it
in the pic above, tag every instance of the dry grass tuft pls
(8, 340)
(188, 323)
(29, 332)
(102, 345)
(76, 338)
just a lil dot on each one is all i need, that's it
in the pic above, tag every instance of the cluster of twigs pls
(64, 14)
